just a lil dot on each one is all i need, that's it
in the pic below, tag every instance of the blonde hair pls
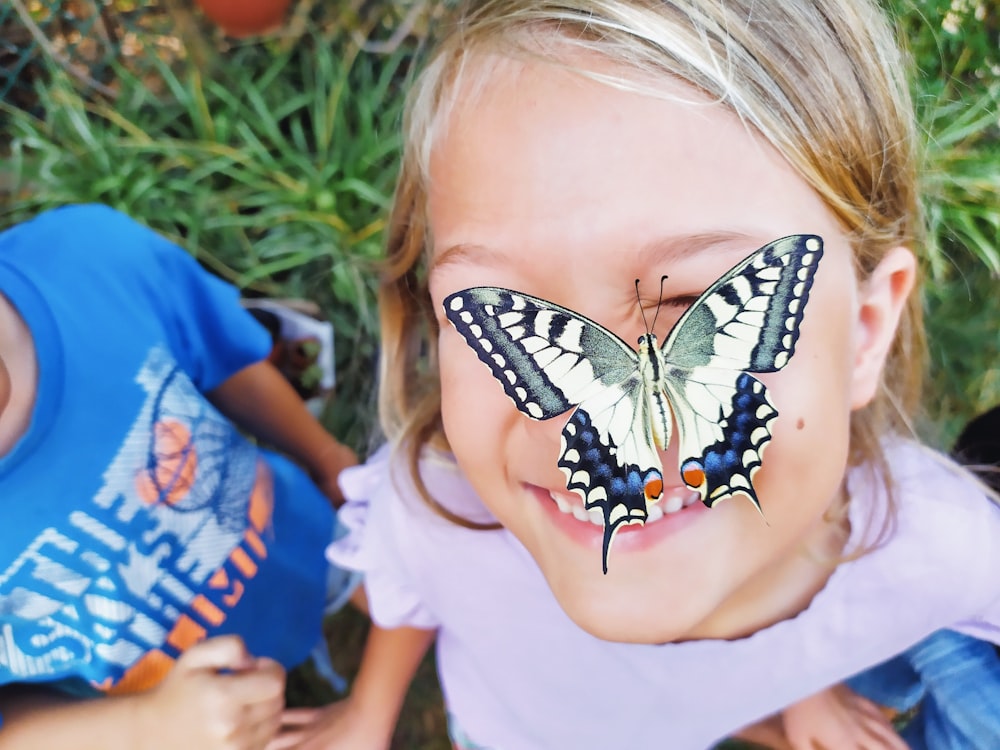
(821, 80)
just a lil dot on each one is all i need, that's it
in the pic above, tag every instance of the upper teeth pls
(656, 511)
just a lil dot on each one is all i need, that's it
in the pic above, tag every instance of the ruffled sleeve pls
(375, 518)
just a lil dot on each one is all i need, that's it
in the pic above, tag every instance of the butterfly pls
(550, 360)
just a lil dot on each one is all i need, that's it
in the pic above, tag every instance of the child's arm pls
(261, 401)
(836, 718)
(196, 706)
(365, 720)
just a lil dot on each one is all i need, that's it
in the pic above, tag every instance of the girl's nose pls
(543, 439)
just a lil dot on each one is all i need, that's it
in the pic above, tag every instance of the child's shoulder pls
(929, 481)
(386, 476)
(80, 233)
(937, 530)
(80, 220)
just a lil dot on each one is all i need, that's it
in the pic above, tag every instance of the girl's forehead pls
(502, 78)
(544, 157)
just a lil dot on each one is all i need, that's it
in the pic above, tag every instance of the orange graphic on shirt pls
(226, 585)
(170, 480)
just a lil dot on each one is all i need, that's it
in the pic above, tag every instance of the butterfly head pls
(647, 342)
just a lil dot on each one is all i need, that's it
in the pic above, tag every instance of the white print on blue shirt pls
(156, 561)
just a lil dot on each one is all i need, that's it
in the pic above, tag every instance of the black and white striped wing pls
(747, 321)
(547, 358)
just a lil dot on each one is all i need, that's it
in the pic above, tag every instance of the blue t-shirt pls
(135, 520)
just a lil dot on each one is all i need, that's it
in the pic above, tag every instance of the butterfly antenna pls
(659, 301)
(642, 312)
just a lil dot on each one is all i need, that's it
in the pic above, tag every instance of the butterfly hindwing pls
(594, 470)
(548, 360)
(747, 321)
(725, 467)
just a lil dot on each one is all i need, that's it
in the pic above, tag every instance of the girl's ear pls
(881, 300)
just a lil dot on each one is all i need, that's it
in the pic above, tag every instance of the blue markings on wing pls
(729, 464)
(593, 471)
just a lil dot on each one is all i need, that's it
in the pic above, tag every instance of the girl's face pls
(569, 189)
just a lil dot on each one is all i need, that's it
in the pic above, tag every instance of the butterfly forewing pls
(747, 321)
(547, 358)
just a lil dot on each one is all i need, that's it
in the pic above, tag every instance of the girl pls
(565, 149)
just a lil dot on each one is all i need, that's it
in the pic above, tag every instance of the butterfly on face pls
(550, 360)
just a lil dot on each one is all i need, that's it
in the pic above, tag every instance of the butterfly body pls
(626, 402)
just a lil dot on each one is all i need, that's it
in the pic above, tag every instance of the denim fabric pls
(340, 584)
(459, 739)
(952, 680)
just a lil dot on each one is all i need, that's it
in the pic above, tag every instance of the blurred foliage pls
(272, 160)
(955, 49)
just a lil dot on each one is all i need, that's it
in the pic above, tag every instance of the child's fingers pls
(296, 717)
(221, 652)
(285, 740)
(258, 735)
(264, 683)
(881, 735)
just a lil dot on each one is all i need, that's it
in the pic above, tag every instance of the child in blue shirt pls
(149, 550)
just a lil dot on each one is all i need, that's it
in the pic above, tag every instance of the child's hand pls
(339, 725)
(217, 697)
(836, 718)
(335, 458)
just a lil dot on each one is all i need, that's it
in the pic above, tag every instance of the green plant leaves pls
(273, 167)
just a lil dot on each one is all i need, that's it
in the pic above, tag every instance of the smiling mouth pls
(672, 501)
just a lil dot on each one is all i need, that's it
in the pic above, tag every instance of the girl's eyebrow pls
(664, 250)
(656, 253)
(467, 252)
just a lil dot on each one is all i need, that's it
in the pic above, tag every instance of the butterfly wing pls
(747, 321)
(548, 360)
(609, 457)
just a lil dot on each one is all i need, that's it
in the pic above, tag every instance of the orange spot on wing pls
(654, 488)
(693, 475)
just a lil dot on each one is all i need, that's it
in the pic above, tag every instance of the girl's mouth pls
(678, 507)
(672, 501)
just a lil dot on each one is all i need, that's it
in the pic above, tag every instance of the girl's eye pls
(679, 302)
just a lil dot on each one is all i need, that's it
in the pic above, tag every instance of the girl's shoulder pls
(932, 526)
(419, 564)
(917, 482)
(440, 489)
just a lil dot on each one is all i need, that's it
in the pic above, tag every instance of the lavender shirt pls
(518, 674)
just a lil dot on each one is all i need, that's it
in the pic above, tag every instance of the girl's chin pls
(632, 613)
